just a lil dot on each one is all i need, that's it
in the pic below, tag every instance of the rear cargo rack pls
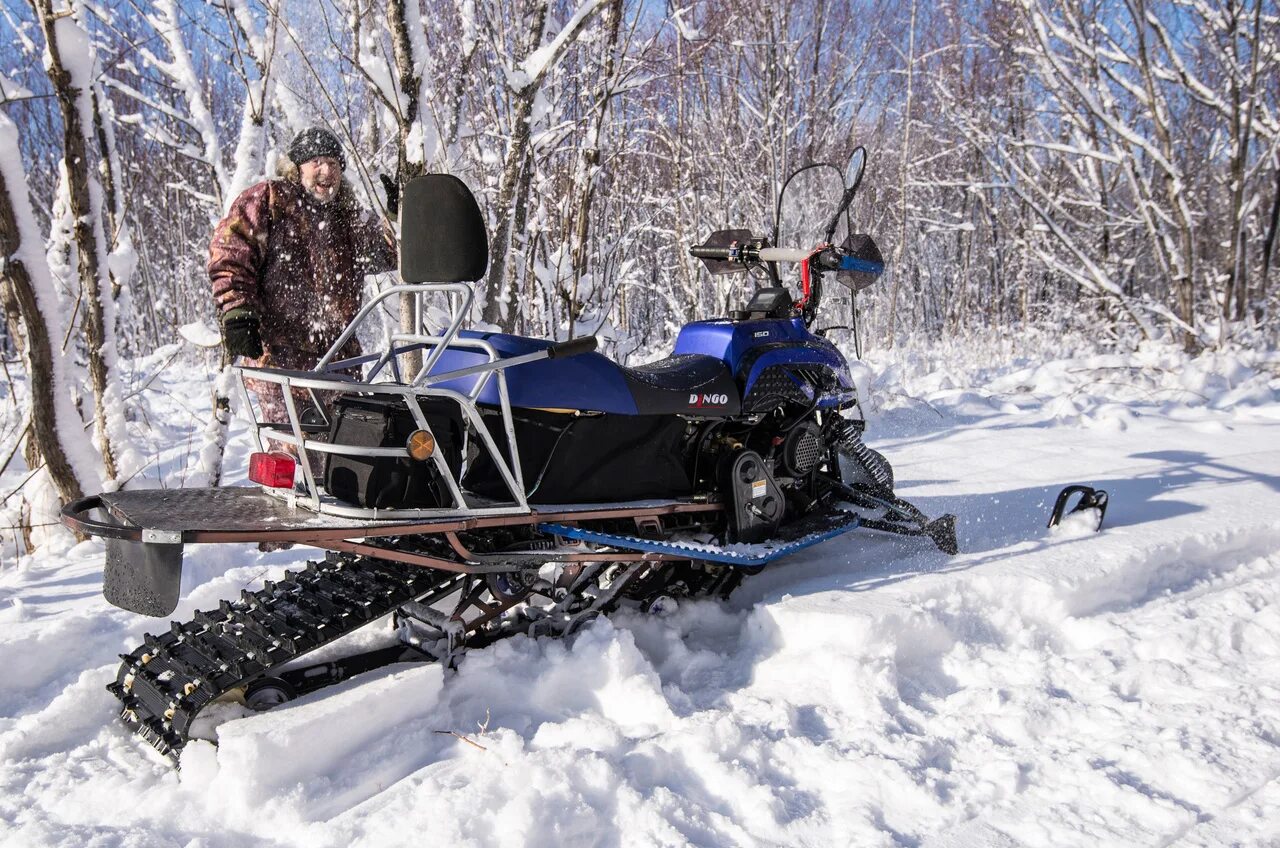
(301, 438)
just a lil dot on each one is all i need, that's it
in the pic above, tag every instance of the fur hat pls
(314, 142)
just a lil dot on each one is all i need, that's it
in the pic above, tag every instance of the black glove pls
(393, 195)
(240, 332)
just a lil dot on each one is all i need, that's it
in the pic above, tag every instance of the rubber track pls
(165, 683)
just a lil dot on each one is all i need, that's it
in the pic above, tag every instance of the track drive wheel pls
(511, 586)
(267, 692)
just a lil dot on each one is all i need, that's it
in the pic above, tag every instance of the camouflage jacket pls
(299, 263)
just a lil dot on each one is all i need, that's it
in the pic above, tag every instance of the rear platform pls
(244, 514)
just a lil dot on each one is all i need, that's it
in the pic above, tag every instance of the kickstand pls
(1090, 498)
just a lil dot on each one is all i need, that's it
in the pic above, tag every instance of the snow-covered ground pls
(1042, 688)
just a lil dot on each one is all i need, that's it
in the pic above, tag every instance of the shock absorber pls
(843, 434)
(858, 463)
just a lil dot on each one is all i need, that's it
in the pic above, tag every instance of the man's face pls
(321, 177)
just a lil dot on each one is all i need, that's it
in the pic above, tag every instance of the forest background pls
(1111, 166)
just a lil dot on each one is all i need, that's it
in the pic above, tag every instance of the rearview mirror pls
(852, 179)
(853, 172)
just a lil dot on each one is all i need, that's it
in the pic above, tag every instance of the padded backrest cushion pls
(442, 234)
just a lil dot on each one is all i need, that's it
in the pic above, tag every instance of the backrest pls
(442, 233)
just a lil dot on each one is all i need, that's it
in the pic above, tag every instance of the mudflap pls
(143, 577)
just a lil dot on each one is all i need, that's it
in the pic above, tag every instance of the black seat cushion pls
(690, 384)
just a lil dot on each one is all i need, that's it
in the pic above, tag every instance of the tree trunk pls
(38, 352)
(90, 242)
(1241, 137)
(900, 249)
(589, 160)
(512, 179)
(109, 180)
(1269, 242)
(1184, 266)
(12, 313)
(409, 84)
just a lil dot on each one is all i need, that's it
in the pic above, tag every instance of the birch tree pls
(524, 74)
(54, 424)
(70, 61)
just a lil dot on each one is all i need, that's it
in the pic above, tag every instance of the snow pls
(67, 420)
(1045, 687)
(201, 334)
(182, 71)
(250, 144)
(686, 30)
(10, 90)
(543, 58)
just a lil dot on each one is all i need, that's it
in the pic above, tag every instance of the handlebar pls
(823, 258)
(750, 253)
(783, 254)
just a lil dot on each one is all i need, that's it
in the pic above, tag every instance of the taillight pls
(274, 470)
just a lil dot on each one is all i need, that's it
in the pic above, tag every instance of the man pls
(288, 264)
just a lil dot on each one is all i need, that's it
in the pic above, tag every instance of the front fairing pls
(750, 348)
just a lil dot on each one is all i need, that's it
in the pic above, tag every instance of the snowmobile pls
(471, 485)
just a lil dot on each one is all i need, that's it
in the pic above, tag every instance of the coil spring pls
(846, 437)
(843, 434)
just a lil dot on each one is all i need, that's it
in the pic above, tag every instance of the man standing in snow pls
(288, 263)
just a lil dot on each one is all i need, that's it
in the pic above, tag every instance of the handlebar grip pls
(830, 259)
(702, 251)
(573, 347)
(783, 254)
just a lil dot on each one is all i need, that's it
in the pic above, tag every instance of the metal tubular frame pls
(424, 384)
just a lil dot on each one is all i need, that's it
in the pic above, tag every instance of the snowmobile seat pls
(687, 383)
(690, 384)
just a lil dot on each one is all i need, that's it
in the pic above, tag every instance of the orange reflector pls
(421, 445)
(273, 470)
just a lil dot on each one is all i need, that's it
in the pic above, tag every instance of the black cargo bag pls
(391, 482)
(568, 458)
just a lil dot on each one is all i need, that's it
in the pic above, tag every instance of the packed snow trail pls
(1042, 688)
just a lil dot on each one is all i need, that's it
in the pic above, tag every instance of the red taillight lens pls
(274, 470)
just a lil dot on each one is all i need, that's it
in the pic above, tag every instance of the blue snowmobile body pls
(717, 369)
